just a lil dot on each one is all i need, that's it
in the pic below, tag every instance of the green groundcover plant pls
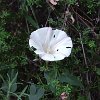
(49, 49)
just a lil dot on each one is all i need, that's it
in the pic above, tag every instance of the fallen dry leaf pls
(53, 2)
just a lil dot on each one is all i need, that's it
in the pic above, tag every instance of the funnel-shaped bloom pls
(51, 45)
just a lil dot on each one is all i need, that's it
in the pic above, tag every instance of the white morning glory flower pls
(51, 45)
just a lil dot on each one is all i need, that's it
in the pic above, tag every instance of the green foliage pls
(55, 85)
(35, 93)
(32, 79)
(71, 1)
(98, 71)
(32, 22)
(9, 45)
(91, 5)
(70, 79)
(9, 85)
(81, 98)
(51, 80)
(3, 36)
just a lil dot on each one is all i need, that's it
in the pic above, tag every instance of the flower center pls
(48, 49)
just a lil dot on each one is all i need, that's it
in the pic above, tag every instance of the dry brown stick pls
(82, 19)
(48, 18)
(85, 59)
(84, 54)
(92, 29)
(84, 13)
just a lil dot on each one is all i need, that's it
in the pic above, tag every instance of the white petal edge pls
(39, 52)
(33, 44)
(52, 57)
(59, 35)
(45, 34)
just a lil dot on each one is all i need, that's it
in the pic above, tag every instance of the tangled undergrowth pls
(24, 76)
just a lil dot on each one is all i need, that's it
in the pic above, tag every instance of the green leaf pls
(80, 97)
(32, 89)
(22, 93)
(4, 87)
(11, 84)
(13, 87)
(51, 79)
(12, 73)
(31, 21)
(37, 94)
(49, 76)
(98, 71)
(13, 79)
(40, 92)
(70, 79)
(33, 97)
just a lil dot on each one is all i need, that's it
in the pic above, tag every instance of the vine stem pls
(85, 60)
(87, 76)
(33, 13)
(84, 55)
(8, 92)
(46, 65)
(49, 12)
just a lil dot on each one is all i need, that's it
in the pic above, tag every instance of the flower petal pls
(39, 51)
(64, 50)
(47, 57)
(40, 37)
(67, 42)
(35, 40)
(57, 36)
(33, 44)
(45, 34)
(58, 56)
(52, 57)
(64, 46)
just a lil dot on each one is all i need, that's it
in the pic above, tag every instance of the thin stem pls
(64, 21)
(48, 18)
(85, 60)
(8, 92)
(83, 20)
(55, 69)
(34, 15)
(27, 27)
(87, 76)
(83, 51)
(46, 65)
(40, 80)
